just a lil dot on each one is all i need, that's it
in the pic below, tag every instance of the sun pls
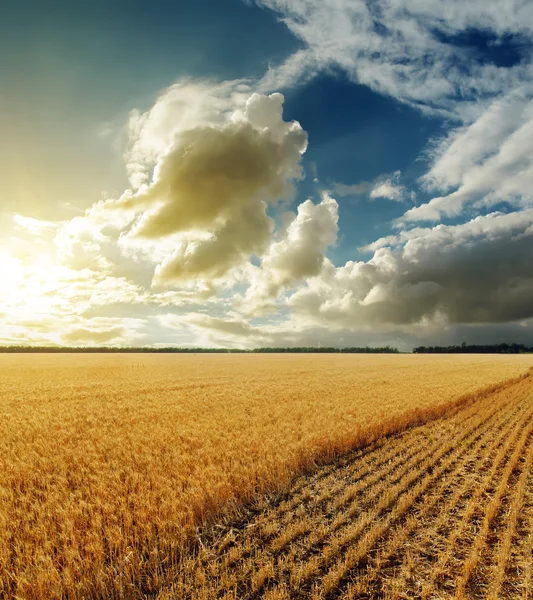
(26, 285)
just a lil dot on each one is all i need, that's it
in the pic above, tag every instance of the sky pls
(247, 173)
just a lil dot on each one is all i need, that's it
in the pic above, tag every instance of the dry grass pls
(110, 464)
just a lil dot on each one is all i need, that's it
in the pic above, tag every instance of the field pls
(125, 476)
(444, 510)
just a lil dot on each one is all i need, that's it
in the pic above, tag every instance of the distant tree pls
(465, 348)
(177, 350)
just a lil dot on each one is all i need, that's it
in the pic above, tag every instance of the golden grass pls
(110, 463)
(441, 511)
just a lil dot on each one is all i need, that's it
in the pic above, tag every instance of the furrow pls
(305, 493)
(358, 528)
(472, 561)
(403, 500)
(362, 467)
(524, 578)
(367, 473)
(351, 530)
(436, 509)
(506, 545)
(437, 535)
(440, 577)
(343, 530)
(244, 560)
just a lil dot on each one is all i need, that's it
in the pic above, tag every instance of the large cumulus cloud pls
(244, 232)
(183, 106)
(210, 189)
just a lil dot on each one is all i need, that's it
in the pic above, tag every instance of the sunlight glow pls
(28, 288)
(11, 270)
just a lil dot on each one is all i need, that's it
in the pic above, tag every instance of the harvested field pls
(444, 510)
(114, 470)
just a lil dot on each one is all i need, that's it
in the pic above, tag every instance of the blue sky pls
(73, 68)
(275, 172)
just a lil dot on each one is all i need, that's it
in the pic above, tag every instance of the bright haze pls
(231, 173)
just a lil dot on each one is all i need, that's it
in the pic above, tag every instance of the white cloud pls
(387, 187)
(412, 51)
(208, 160)
(103, 331)
(89, 241)
(298, 255)
(295, 70)
(234, 328)
(79, 243)
(183, 106)
(245, 232)
(478, 272)
(207, 202)
(489, 161)
(34, 226)
(398, 47)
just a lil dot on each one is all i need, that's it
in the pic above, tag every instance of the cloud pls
(70, 329)
(295, 70)
(214, 170)
(477, 272)
(394, 240)
(425, 54)
(405, 49)
(299, 254)
(184, 106)
(247, 231)
(79, 243)
(237, 328)
(354, 189)
(89, 241)
(211, 186)
(43, 288)
(116, 331)
(389, 190)
(209, 162)
(387, 187)
(218, 156)
(94, 337)
(488, 162)
(34, 226)
(240, 333)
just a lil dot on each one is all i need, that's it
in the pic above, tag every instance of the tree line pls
(465, 348)
(462, 349)
(177, 350)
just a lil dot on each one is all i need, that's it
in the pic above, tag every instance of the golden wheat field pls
(176, 476)
(444, 510)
